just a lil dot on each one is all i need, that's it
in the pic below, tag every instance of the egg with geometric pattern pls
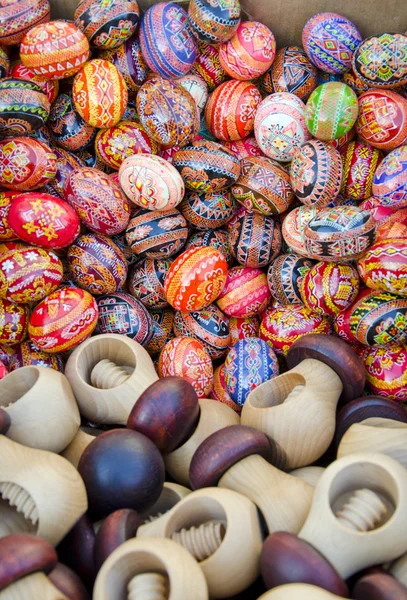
(328, 288)
(121, 314)
(146, 281)
(209, 325)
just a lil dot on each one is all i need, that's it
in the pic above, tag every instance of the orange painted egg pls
(360, 162)
(255, 240)
(231, 109)
(24, 107)
(208, 325)
(167, 112)
(382, 120)
(162, 321)
(19, 16)
(63, 320)
(43, 220)
(207, 65)
(122, 314)
(187, 358)
(292, 72)
(241, 328)
(27, 354)
(384, 266)
(386, 371)
(219, 390)
(282, 326)
(99, 202)
(31, 274)
(156, 233)
(6, 200)
(151, 182)
(13, 322)
(146, 282)
(263, 186)
(245, 293)
(250, 52)
(54, 50)
(97, 264)
(114, 144)
(195, 279)
(100, 93)
(285, 275)
(208, 211)
(107, 23)
(26, 164)
(328, 288)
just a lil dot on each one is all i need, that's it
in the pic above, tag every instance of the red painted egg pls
(54, 50)
(187, 358)
(156, 233)
(146, 282)
(245, 294)
(31, 274)
(63, 320)
(151, 182)
(162, 321)
(115, 144)
(50, 88)
(208, 211)
(292, 72)
(97, 264)
(382, 120)
(100, 93)
(250, 52)
(386, 371)
(219, 390)
(243, 328)
(124, 315)
(328, 288)
(195, 279)
(231, 109)
(360, 162)
(19, 16)
(244, 148)
(218, 238)
(285, 275)
(27, 354)
(384, 266)
(43, 220)
(255, 240)
(207, 65)
(263, 186)
(107, 23)
(25, 164)
(6, 200)
(13, 322)
(99, 202)
(282, 326)
(208, 325)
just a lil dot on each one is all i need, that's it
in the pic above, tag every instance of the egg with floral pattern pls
(386, 371)
(328, 288)
(114, 144)
(208, 325)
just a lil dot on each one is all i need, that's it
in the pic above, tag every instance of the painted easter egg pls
(214, 22)
(197, 87)
(328, 288)
(330, 41)
(217, 239)
(279, 126)
(31, 274)
(187, 358)
(156, 234)
(360, 162)
(231, 108)
(151, 182)
(24, 107)
(379, 318)
(122, 314)
(283, 325)
(355, 82)
(207, 166)
(208, 211)
(293, 226)
(316, 173)
(19, 16)
(249, 363)
(27, 354)
(386, 371)
(195, 279)
(146, 282)
(291, 72)
(167, 41)
(340, 233)
(99, 202)
(63, 320)
(208, 325)
(4, 63)
(54, 50)
(331, 110)
(207, 65)
(381, 60)
(241, 328)
(67, 162)
(219, 390)
(100, 93)
(348, 137)
(167, 112)
(245, 294)
(394, 227)
(390, 179)
(162, 321)
(107, 23)
(129, 61)
(6, 200)
(384, 266)
(43, 220)
(379, 212)
(263, 186)
(66, 126)
(97, 264)
(49, 87)
(245, 148)
(250, 52)
(255, 240)
(13, 322)
(285, 275)
(382, 120)
(25, 164)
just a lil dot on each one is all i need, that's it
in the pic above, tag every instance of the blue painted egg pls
(209, 325)
(390, 179)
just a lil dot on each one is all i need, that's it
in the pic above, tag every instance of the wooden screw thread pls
(152, 518)
(106, 374)
(17, 497)
(363, 511)
(148, 586)
(201, 541)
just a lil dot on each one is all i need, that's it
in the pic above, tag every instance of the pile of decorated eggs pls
(175, 177)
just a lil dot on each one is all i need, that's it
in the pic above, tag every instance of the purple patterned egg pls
(208, 211)
(255, 240)
(129, 61)
(208, 325)
(124, 315)
(390, 179)
(155, 233)
(146, 282)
